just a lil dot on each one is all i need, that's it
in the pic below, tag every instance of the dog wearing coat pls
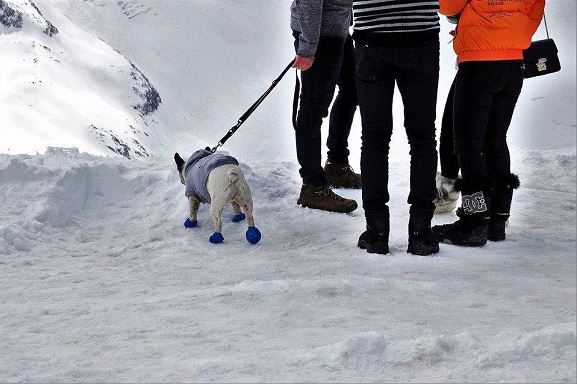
(216, 178)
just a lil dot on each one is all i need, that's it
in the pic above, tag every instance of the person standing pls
(489, 43)
(325, 55)
(448, 181)
(397, 42)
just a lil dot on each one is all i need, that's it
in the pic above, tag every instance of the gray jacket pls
(197, 169)
(315, 18)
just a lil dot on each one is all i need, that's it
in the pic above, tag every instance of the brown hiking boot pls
(325, 199)
(343, 176)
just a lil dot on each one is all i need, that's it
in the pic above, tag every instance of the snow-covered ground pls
(99, 281)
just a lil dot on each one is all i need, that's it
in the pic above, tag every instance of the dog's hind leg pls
(216, 208)
(193, 205)
(253, 235)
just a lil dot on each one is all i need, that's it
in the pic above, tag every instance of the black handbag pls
(541, 58)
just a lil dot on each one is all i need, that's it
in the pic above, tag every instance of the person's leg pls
(497, 152)
(318, 87)
(375, 86)
(448, 182)
(476, 85)
(448, 159)
(418, 83)
(343, 109)
(475, 88)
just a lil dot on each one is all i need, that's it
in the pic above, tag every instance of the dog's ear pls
(179, 162)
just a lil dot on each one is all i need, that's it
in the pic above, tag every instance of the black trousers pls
(415, 70)
(334, 65)
(449, 162)
(485, 97)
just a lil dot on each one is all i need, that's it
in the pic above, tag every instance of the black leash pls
(256, 105)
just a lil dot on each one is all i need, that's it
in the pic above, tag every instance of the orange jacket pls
(490, 30)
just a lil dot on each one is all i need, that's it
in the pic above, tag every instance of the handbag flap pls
(539, 49)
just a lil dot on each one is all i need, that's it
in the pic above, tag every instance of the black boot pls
(376, 238)
(468, 231)
(501, 206)
(422, 240)
(496, 231)
(471, 230)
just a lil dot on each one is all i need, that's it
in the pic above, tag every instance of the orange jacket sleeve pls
(535, 16)
(452, 7)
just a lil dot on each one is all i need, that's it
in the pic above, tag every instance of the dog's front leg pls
(193, 205)
(238, 215)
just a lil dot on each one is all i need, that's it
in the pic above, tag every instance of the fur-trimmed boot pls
(501, 206)
(471, 230)
(448, 192)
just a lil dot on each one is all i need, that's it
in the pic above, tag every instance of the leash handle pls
(253, 108)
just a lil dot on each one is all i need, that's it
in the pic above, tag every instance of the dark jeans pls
(344, 108)
(415, 70)
(485, 97)
(334, 64)
(448, 159)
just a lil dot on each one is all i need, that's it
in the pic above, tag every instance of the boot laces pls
(327, 192)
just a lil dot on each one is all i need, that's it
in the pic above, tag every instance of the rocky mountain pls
(63, 85)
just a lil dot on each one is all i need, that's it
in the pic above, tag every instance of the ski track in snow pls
(100, 282)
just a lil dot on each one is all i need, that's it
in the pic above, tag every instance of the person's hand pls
(303, 63)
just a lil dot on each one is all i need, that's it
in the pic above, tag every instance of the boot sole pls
(422, 251)
(348, 209)
(463, 244)
(377, 248)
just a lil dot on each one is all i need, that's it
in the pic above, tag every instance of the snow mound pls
(463, 357)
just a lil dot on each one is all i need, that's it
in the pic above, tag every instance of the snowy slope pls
(61, 85)
(99, 282)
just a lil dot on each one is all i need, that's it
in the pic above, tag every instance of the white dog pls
(216, 178)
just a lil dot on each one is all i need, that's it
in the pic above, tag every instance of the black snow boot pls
(471, 230)
(376, 238)
(422, 240)
(501, 206)
(468, 231)
(497, 225)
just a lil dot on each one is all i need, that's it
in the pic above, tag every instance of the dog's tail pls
(233, 176)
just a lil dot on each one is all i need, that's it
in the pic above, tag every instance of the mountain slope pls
(61, 85)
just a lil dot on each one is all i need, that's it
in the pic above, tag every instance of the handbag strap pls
(546, 26)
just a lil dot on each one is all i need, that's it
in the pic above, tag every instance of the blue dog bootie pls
(190, 223)
(216, 238)
(238, 218)
(253, 235)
